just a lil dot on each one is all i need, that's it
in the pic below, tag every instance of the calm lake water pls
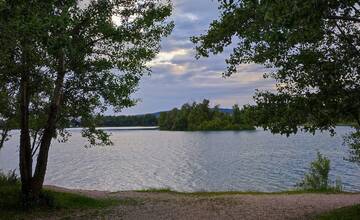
(191, 161)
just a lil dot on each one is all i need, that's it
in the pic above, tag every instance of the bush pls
(12, 204)
(318, 177)
(353, 141)
(8, 179)
(9, 191)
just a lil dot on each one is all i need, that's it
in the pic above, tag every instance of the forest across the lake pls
(195, 116)
(190, 117)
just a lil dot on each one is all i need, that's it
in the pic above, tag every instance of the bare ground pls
(152, 205)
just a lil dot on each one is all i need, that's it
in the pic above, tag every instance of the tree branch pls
(34, 140)
(349, 41)
(4, 136)
(344, 18)
(35, 150)
(355, 9)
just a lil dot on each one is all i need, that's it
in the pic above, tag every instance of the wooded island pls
(200, 117)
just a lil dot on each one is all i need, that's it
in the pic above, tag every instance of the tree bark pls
(50, 129)
(25, 141)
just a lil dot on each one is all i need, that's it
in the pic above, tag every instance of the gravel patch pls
(238, 206)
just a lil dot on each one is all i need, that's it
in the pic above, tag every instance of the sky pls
(178, 78)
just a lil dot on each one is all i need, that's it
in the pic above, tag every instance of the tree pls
(312, 48)
(236, 114)
(200, 117)
(62, 60)
(7, 116)
(131, 120)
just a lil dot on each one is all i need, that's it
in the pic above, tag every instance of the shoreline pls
(164, 204)
(100, 193)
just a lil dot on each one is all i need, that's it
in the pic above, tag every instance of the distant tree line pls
(132, 120)
(200, 117)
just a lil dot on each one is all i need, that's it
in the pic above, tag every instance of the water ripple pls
(191, 161)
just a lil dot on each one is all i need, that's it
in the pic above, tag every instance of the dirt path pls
(180, 206)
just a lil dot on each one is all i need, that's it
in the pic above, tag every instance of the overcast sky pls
(177, 77)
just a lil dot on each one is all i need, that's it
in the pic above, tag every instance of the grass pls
(347, 213)
(64, 205)
(205, 193)
(74, 201)
(58, 203)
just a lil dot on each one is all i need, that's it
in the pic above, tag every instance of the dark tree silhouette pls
(61, 60)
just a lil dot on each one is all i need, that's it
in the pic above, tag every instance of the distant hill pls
(157, 114)
(226, 110)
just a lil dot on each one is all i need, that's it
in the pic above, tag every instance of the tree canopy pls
(200, 117)
(64, 59)
(312, 50)
(128, 120)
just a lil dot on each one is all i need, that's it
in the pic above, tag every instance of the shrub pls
(9, 179)
(318, 177)
(9, 191)
(353, 141)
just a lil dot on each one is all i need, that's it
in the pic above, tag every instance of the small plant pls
(338, 185)
(353, 141)
(8, 179)
(318, 177)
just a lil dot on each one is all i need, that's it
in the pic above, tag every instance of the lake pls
(191, 161)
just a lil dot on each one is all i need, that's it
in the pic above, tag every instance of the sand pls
(156, 205)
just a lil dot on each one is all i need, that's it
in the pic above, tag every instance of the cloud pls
(165, 58)
(177, 77)
(188, 16)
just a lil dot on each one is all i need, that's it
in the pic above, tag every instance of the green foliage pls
(65, 203)
(214, 194)
(73, 201)
(353, 141)
(102, 58)
(9, 179)
(9, 191)
(11, 208)
(311, 48)
(71, 59)
(346, 213)
(318, 177)
(200, 117)
(123, 121)
(7, 115)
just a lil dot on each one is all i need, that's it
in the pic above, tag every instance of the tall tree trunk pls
(50, 129)
(25, 141)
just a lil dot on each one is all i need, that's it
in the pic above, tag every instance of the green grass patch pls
(74, 201)
(157, 190)
(60, 204)
(347, 213)
(205, 193)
